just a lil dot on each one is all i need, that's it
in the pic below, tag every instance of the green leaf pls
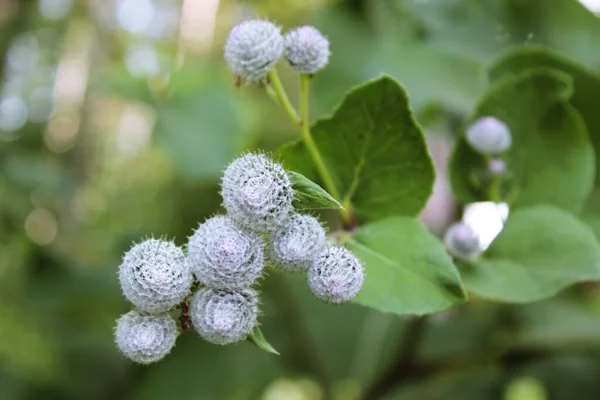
(586, 83)
(309, 196)
(407, 269)
(591, 211)
(200, 130)
(481, 30)
(259, 340)
(551, 160)
(431, 75)
(540, 251)
(374, 150)
(585, 98)
(567, 27)
(467, 28)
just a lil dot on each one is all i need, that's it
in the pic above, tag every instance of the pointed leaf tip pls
(309, 195)
(259, 340)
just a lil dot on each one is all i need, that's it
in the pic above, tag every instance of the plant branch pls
(404, 367)
(494, 190)
(277, 92)
(314, 150)
(184, 318)
(271, 92)
(281, 96)
(494, 187)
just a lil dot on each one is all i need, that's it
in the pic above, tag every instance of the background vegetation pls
(116, 120)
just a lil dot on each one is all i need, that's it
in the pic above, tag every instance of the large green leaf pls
(431, 75)
(551, 160)
(439, 48)
(591, 211)
(566, 26)
(586, 83)
(540, 251)
(472, 29)
(374, 150)
(407, 269)
(482, 29)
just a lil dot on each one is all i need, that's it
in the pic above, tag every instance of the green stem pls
(272, 94)
(314, 150)
(494, 190)
(282, 97)
(494, 186)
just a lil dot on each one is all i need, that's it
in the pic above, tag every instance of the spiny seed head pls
(154, 275)
(257, 193)
(489, 135)
(306, 49)
(252, 49)
(294, 245)
(145, 338)
(223, 256)
(336, 275)
(462, 241)
(222, 316)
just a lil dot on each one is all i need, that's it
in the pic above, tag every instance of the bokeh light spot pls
(13, 113)
(41, 226)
